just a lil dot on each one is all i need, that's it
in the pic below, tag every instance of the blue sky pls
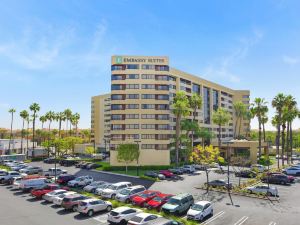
(57, 53)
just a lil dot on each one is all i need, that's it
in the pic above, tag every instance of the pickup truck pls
(51, 172)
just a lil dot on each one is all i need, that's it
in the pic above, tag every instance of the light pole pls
(55, 147)
(137, 161)
(228, 165)
(268, 161)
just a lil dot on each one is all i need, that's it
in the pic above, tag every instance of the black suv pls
(276, 179)
(245, 174)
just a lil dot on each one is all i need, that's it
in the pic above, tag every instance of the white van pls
(26, 185)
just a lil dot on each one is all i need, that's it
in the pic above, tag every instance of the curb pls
(117, 174)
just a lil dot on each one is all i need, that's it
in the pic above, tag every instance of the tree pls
(278, 103)
(181, 108)
(87, 135)
(11, 111)
(206, 156)
(240, 110)
(195, 104)
(34, 107)
(43, 120)
(89, 150)
(60, 116)
(71, 142)
(68, 114)
(264, 120)
(24, 115)
(259, 109)
(127, 153)
(204, 134)
(220, 117)
(75, 120)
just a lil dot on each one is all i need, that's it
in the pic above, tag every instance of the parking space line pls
(216, 216)
(101, 218)
(272, 223)
(241, 220)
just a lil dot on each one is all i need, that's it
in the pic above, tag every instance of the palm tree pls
(181, 109)
(275, 122)
(195, 104)
(278, 103)
(68, 114)
(240, 110)
(290, 117)
(34, 107)
(75, 120)
(259, 109)
(60, 116)
(11, 111)
(43, 120)
(264, 120)
(220, 117)
(204, 134)
(24, 115)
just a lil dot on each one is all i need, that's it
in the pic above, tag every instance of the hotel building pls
(139, 107)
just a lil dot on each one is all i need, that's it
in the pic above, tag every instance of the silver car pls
(49, 196)
(93, 186)
(99, 189)
(93, 205)
(127, 193)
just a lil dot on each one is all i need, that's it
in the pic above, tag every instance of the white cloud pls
(290, 60)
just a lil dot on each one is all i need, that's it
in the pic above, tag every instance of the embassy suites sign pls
(120, 59)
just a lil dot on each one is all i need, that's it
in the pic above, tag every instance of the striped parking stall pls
(102, 218)
(216, 216)
(242, 220)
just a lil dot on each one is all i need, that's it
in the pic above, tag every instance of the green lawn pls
(132, 172)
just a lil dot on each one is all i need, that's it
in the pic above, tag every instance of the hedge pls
(118, 168)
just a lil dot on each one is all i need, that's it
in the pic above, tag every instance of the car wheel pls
(177, 213)
(282, 183)
(113, 196)
(108, 208)
(75, 185)
(269, 193)
(90, 213)
(201, 218)
(74, 208)
(212, 212)
(127, 201)
(123, 222)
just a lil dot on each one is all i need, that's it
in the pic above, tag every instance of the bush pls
(149, 178)
(265, 161)
(38, 159)
(118, 168)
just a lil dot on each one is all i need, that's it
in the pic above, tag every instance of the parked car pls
(65, 178)
(92, 166)
(51, 172)
(142, 198)
(9, 176)
(99, 189)
(50, 195)
(158, 201)
(200, 210)
(263, 189)
(27, 185)
(17, 181)
(292, 171)
(93, 205)
(276, 179)
(245, 174)
(177, 171)
(50, 160)
(126, 194)
(291, 179)
(78, 165)
(219, 183)
(112, 190)
(122, 215)
(154, 175)
(32, 170)
(188, 169)
(178, 204)
(166, 173)
(57, 200)
(142, 219)
(39, 192)
(259, 168)
(164, 221)
(68, 162)
(85, 165)
(93, 186)
(72, 201)
(18, 167)
(80, 181)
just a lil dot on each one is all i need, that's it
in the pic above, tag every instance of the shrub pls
(149, 178)
(118, 168)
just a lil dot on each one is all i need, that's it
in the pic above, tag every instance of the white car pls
(263, 189)
(49, 196)
(93, 186)
(142, 219)
(99, 189)
(122, 215)
(259, 168)
(127, 193)
(294, 170)
(200, 210)
(189, 168)
(93, 205)
(57, 200)
(51, 172)
(80, 181)
(114, 189)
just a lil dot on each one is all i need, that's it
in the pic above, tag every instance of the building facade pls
(142, 91)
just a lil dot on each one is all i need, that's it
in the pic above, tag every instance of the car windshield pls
(78, 179)
(112, 187)
(144, 195)
(103, 186)
(137, 219)
(157, 199)
(82, 203)
(197, 207)
(174, 201)
(125, 192)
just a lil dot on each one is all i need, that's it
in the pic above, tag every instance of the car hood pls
(107, 191)
(169, 206)
(138, 199)
(193, 212)
(153, 203)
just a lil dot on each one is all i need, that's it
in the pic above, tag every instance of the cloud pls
(290, 60)
(4, 106)
(223, 66)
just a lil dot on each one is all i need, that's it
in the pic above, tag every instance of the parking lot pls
(19, 208)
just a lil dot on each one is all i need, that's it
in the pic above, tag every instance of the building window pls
(132, 86)
(161, 68)
(117, 87)
(132, 106)
(215, 100)
(132, 66)
(162, 117)
(132, 136)
(161, 77)
(148, 146)
(148, 86)
(148, 67)
(171, 86)
(148, 126)
(132, 116)
(117, 137)
(162, 97)
(162, 87)
(117, 117)
(185, 82)
(148, 76)
(148, 136)
(246, 96)
(148, 106)
(132, 96)
(161, 147)
(117, 127)
(148, 116)
(117, 97)
(206, 105)
(117, 107)
(132, 76)
(162, 127)
(118, 67)
(172, 78)
(162, 137)
(196, 89)
(162, 107)
(117, 77)
(148, 96)
(132, 126)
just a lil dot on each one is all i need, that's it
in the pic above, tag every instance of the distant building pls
(15, 146)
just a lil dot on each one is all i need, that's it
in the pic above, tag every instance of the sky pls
(57, 53)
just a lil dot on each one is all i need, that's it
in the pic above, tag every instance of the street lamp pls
(228, 164)
(268, 161)
(55, 148)
(137, 161)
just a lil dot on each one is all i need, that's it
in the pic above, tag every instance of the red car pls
(38, 193)
(290, 178)
(142, 198)
(158, 201)
(166, 173)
